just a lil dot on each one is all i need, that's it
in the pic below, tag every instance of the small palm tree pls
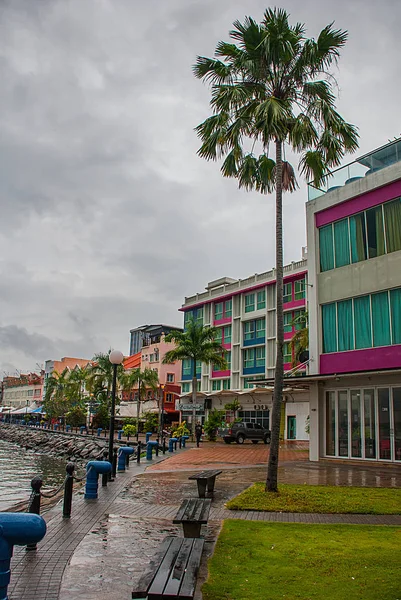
(55, 400)
(273, 86)
(299, 342)
(197, 344)
(143, 380)
(100, 374)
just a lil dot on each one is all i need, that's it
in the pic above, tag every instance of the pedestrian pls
(198, 433)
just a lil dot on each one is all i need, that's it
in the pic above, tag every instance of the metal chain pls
(84, 476)
(54, 492)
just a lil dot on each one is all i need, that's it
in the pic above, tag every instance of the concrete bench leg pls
(191, 530)
(210, 484)
(201, 487)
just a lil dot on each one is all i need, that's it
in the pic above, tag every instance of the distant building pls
(22, 391)
(146, 335)
(58, 366)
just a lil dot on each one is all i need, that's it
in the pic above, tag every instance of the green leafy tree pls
(76, 416)
(129, 429)
(233, 406)
(197, 344)
(180, 430)
(212, 423)
(273, 86)
(150, 421)
(56, 403)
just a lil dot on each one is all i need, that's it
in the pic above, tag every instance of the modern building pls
(244, 311)
(354, 275)
(146, 335)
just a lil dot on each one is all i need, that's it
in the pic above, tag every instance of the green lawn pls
(271, 561)
(320, 499)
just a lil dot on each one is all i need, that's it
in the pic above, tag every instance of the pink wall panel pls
(361, 360)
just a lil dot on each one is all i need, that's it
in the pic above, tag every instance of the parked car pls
(239, 432)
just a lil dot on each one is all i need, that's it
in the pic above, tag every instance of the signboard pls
(189, 407)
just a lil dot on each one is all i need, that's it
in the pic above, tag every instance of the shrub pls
(213, 423)
(180, 430)
(129, 430)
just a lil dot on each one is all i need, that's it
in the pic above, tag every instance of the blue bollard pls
(68, 428)
(148, 436)
(82, 429)
(119, 434)
(99, 431)
(122, 454)
(172, 444)
(16, 529)
(184, 440)
(149, 449)
(94, 468)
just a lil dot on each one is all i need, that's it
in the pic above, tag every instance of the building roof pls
(133, 362)
(150, 328)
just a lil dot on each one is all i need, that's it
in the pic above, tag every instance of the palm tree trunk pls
(271, 481)
(194, 390)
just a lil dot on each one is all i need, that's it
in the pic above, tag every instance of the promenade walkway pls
(100, 553)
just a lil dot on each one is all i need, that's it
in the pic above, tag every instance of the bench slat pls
(189, 582)
(181, 512)
(146, 579)
(159, 582)
(194, 510)
(205, 475)
(177, 573)
(204, 516)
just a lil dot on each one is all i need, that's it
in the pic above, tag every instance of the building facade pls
(146, 335)
(354, 269)
(244, 311)
(58, 366)
(23, 391)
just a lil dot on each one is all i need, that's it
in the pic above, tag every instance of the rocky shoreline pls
(74, 447)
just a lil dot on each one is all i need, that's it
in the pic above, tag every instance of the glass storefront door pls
(363, 423)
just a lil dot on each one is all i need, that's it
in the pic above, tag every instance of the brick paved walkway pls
(102, 550)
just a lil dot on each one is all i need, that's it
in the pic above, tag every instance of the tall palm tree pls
(100, 374)
(143, 380)
(197, 344)
(273, 86)
(55, 400)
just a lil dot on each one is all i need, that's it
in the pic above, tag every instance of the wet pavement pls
(107, 545)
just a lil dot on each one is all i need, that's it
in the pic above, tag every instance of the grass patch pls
(320, 499)
(303, 562)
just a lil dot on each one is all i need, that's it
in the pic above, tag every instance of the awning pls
(27, 410)
(40, 410)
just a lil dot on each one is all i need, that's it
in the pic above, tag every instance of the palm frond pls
(313, 167)
(209, 69)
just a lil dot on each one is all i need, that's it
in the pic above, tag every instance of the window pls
(250, 382)
(188, 315)
(261, 300)
(198, 367)
(218, 311)
(198, 386)
(287, 292)
(227, 334)
(260, 356)
(249, 358)
(219, 335)
(199, 316)
(216, 385)
(260, 328)
(226, 384)
(169, 397)
(186, 366)
(185, 388)
(366, 235)
(227, 356)
(363, 322)
(151, 357)
(300, 289)
(249, 330)
(30, 392)
(228, 308)
(249, 303)
(287, 322)
(287, 354)
(170, 377)
(299, 319)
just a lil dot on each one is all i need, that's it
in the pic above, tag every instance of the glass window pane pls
(218, 311)
(392, 219)
(287, 354)
(362, 320)
(300, 289)
(374, 221)
(227, 334)
(397, 422)
(260, 328)
(261, 299)
(395, 301)
(381, 319)
(345, 325)
(249, 330)
(326, 248)
(228, 308)
(287, 322)
(384, 424)
(287, 292)
(330, 423)
(329, 323)
(341, 243)
(249, 302)
(356, 448)
(299, 319)
(370, 423)
(342, 423)
(219, 335)
(358, 237)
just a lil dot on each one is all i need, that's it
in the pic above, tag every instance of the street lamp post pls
(161, 410)
(116, 358)
(138, 406)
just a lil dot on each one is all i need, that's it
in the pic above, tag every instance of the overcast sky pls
(108, 217)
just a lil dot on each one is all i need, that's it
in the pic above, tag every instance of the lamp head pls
(116, 357)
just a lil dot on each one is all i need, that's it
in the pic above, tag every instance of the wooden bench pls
(205, 479)
(173, 571)
(192, 515)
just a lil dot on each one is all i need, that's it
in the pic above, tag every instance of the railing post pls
(127, 457)
(105, 476)
(138, 452)
(164, 445)
(34, 505)
(68, 486)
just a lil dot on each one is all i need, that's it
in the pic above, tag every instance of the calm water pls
(18, 466)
